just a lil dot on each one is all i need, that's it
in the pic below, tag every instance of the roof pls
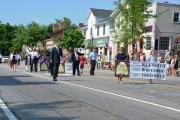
(101, 12)
(105, 21)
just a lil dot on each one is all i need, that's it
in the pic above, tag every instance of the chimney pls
(81, 25)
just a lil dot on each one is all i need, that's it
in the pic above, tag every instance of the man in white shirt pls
(34, 64)
(93, 57)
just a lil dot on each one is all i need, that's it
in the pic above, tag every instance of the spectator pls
(174, 65)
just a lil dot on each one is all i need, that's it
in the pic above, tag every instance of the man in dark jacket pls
(75, 57)
(55, 59)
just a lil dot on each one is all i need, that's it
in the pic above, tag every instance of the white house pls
(162, 32)
(98, 31)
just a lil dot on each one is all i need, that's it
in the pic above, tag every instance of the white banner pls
(68, 68)
(145, 70)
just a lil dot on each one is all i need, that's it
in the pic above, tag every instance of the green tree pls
(21, 37)
(131, 17)
(72, 38)
(7, 34)
(36, 33)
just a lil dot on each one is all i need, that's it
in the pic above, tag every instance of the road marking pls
(110, 93)
(7, 111)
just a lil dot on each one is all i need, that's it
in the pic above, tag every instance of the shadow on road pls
(12, 80)
(45, 111)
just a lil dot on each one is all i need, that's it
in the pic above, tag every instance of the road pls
(34, 96)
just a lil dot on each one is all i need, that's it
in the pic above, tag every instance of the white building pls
(163, 31)
(98, 31)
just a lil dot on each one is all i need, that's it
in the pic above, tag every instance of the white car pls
(4, 59)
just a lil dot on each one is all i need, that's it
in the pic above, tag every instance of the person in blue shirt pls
(153, 57)
(93, 57)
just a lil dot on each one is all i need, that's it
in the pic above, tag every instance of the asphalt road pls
(34, 96)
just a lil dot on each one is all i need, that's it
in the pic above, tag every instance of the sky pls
(45, 11)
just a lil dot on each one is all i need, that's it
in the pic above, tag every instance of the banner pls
(145, 70)
(68, 68)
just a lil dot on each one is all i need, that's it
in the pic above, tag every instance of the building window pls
(148, 43)
(104, 29)
(98, 31)
(162, 43)
(176, 17)
(148, 29)
(91, 31)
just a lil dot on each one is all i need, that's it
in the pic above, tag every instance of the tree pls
(36, 33)
(21, 37)
(7, 34)
(72, 38)
(132, 16)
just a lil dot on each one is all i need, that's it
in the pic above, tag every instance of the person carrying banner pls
(121, 64)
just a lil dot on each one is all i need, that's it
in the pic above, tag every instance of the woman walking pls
(13, 58)
(121, 64)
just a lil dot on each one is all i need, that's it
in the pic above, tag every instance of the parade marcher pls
(13, 59)
(28, 61)
(75, 57)
(56, 54)
(82, 60)
(121, 64)
(93, 57)
(18, 59)
(153, 57)
(34, 56)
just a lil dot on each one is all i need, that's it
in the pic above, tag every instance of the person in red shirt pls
(81, 59)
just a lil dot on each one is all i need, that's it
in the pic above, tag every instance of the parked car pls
(4, 59)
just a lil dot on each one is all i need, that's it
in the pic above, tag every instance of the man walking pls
(93, 57)
(75, 57)
(34, 63)
(55, 58)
